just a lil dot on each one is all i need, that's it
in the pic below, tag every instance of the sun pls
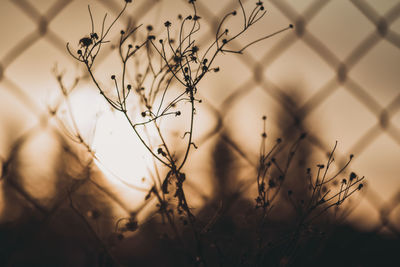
(118, 152)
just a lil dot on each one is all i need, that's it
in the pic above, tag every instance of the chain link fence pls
(342, 61)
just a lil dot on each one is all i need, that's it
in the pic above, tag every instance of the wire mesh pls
(36, 26)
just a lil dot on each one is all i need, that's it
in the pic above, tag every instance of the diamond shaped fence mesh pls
(338, 72)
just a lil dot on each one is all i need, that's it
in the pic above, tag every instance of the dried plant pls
(322, 195)
(160, 75)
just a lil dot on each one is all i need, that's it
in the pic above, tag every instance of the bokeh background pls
(336, 76)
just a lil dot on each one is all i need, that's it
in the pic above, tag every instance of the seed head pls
(352, 176)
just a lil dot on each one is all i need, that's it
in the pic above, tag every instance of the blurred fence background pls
(338, 72)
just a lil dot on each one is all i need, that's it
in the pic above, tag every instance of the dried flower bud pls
(94, 36)
(352, 176)
(85, 42)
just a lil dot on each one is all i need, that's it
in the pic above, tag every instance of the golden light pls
(333, 75)
(118, 151)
